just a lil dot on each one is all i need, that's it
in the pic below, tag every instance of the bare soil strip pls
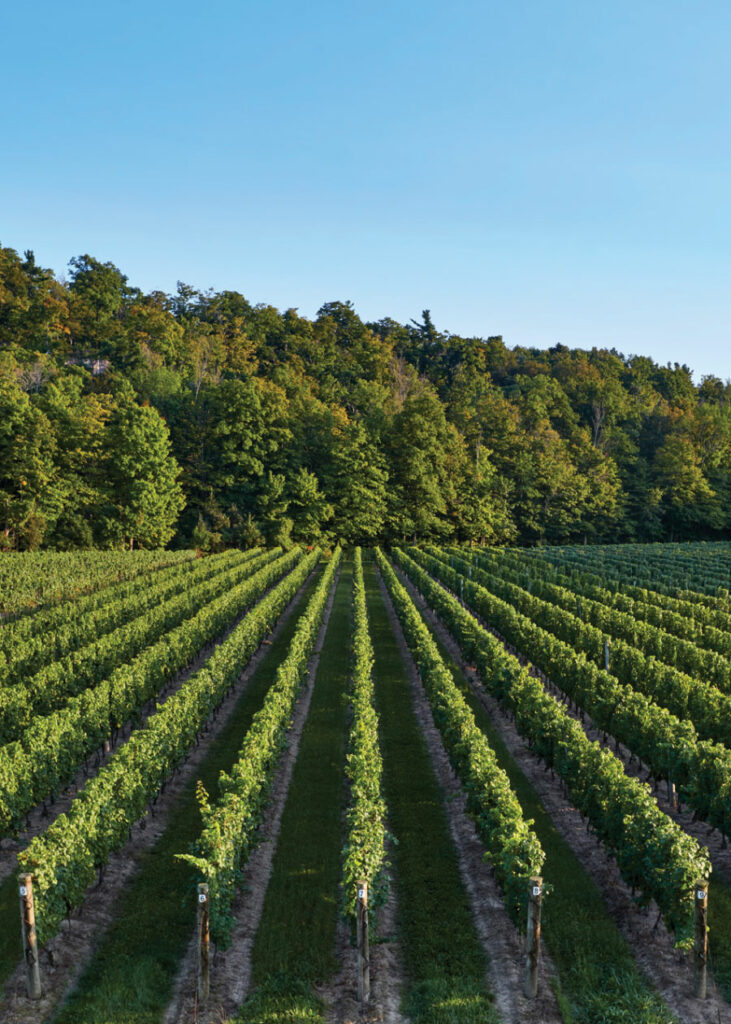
(231, 968)
(502, 943)
(64, 957)
(669, 971)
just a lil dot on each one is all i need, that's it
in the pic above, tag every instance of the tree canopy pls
(203, 418)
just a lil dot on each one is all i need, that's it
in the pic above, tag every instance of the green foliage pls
(50, 749)
(52, 585)
(26, 652)
(653, 853)
(30, 491)
(603, 981)
(364, 851)
(229, 825)
(64, 859)
(644, 704)
(443, 958)
(54, 683)
(103, 992)
(510, 844)
(318, 431)
(142, 478)
(295, 951)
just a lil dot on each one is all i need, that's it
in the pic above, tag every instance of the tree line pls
(199, 418)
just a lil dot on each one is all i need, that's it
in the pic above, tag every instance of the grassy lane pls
(294, 947)
(442, 954)
(719, 935)
(599, 980)
(129, 979)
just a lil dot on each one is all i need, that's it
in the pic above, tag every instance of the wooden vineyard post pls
(30, 941)
(204, 945)
(606, 655)
(701, 938)
(533, 937)
(672, 795)
(364, 967)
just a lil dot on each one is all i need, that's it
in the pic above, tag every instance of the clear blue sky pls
(549, 171)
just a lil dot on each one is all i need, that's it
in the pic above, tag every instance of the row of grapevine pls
(685, 696)
(26, 657)
(55, 616)
(654, 593)
(685, 561)
(53, 747)
(653, 854)
(651, 640)
(670, 747)
(64, 860)
(511, 846)
(364, 851)
(31, 579)
(682, 623)
(704, 558)
(650, 576)
(51, 687)
(229, 825)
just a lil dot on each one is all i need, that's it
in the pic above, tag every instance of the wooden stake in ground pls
(533, 937)
(364, 967)
(204, 945)
(30, 942)
(701, 938)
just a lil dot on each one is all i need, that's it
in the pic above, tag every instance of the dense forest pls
(200, 419)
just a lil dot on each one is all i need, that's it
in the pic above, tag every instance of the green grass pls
(599, 981)
(443, 957)
(719, 935)
(294, 947)
(129, 979)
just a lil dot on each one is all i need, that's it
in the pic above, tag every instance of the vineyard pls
(424, 785)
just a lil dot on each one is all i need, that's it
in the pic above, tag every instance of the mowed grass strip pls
(719, 935)
(599, 981)
(294, 947)
(129, 979)
(443, 958)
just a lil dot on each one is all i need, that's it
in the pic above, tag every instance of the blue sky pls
(549, 171)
